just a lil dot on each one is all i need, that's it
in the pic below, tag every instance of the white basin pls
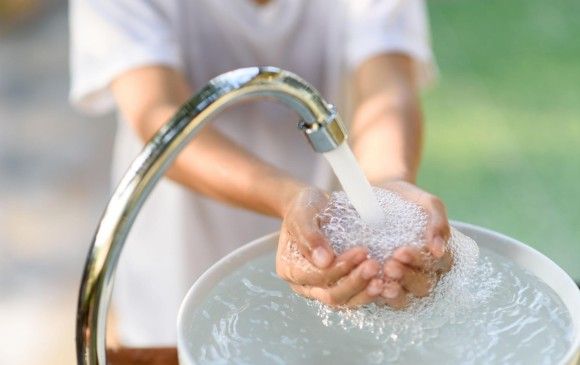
(523, 255)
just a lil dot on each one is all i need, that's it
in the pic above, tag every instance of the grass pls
(503, 123)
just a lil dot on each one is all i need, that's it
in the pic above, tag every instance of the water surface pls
(252, 317)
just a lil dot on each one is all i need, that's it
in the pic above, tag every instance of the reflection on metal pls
(320, 123)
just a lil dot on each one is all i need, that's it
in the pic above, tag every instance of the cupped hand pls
(414, 271)
(306, 261)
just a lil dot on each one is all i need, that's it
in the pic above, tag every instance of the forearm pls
(217, 167)
(212, 164)
(387, 129)
(387, 139)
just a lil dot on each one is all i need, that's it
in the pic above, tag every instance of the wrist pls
(289, 190)
(282, 191)
(403, 175)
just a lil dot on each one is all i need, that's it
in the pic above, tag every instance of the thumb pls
(303, 226)
(314, 246)
(439, 230)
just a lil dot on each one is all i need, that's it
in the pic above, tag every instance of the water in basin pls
(252, 317)
(486, 310)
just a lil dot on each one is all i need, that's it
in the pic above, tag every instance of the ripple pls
(498, 314)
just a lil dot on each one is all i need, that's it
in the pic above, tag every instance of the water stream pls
(355, 184)
(495, 312)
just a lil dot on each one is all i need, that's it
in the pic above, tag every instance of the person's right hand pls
(306, 261)
(413, 271)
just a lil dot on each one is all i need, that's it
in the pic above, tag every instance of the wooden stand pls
(142, 356)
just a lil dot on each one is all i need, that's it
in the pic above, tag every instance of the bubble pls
(501, 315)
(405, 222)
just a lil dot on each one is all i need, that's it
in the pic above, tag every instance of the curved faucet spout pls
(320, 123)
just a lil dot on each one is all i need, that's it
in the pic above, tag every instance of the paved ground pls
(53, 185)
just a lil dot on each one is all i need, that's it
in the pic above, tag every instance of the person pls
(251, 167)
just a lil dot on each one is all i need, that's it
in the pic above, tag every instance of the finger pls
(418, 258)
(444, 264)
(349, 286)
(345, 264)
(436, 259)
(418, 283)
(438, 226)
(305, 231)
(311, 242)
(298, 270)
(303, 290)
(391, 289)
(393, 270)
(369, 295)
(437, 247)
(400, 302)
(394, 295)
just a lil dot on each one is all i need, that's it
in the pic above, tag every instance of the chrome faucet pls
(320, 123)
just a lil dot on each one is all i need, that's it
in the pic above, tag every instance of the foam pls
(253, 317)
(405, 223)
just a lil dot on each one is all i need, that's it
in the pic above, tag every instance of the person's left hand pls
(416, 270)
(307, 262)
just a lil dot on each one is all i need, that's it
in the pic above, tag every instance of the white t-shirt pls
(179, 233)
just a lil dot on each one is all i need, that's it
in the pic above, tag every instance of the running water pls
(509, 317)
(355, 184)
(404, 225)
(486, 310)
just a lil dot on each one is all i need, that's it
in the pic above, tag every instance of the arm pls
(215, 166)
(386, 138)
(212, 164)
(387, 127)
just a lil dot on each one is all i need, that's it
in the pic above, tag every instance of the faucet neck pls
(320, 123)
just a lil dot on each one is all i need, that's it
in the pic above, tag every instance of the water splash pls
(403, 224)
(510, 316)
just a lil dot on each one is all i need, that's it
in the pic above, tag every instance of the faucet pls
(319, 122)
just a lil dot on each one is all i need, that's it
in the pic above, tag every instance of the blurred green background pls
(503, 122)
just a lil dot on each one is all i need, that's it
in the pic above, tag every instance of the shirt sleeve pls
(109, 37)
(388, 26)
